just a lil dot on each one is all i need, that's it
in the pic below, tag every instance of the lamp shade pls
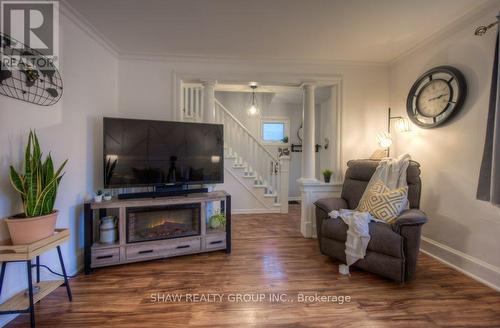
(384, 140)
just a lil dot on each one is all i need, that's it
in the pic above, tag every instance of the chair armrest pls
(330, 204)
(411, 217)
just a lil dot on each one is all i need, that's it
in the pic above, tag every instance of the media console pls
(152, 228)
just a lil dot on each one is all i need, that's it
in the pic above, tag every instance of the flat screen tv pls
(158, 153)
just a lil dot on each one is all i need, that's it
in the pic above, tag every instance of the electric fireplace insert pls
(162, 222)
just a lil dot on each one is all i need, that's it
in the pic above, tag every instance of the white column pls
(209, 101)
(283, 182)
(308, 133)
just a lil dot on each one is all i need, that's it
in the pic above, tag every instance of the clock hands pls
(438, 97)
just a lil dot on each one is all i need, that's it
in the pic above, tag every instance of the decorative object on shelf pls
(327, 174)
(98, 196)
(285, 139)
(217, 221)
(436, 96)
(108, 230)
(253, 110)
(38, 190)
(34, 78)
(107, 196)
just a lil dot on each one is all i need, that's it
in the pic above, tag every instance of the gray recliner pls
(393, 248)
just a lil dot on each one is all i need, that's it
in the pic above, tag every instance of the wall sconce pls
(402, 125)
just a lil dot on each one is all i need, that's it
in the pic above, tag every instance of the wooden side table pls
(20, 303)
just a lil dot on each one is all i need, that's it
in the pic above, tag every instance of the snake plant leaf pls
(17, 181)
(48, 169)
(58, 172)
(41, 197)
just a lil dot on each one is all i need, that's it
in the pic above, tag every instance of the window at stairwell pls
(274, 130)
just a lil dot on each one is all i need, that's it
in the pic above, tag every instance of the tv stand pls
(169, 213)
(162, 193)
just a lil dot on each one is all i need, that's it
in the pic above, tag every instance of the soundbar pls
(163, 193)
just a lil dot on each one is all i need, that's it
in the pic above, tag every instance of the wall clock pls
(436, 96)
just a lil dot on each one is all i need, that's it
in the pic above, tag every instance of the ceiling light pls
(253, 110)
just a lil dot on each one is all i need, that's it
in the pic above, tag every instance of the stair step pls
(260, 186)
(270, 195)
(239, 166)
(250, 176)
(229, 157)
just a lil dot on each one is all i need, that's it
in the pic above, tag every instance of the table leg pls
(30, 291)
(66, 282)
(38, 269)
(2, 275)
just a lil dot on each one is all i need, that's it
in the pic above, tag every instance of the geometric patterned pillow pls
(383, 203)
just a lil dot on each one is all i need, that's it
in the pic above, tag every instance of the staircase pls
(261, 174)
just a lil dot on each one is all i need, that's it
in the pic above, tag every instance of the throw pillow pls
(383, 203)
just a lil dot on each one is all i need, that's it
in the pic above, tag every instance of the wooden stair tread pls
(20, 301)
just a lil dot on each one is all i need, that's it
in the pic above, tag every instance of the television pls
(139, 153)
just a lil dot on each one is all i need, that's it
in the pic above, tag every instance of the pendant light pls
(253, 110)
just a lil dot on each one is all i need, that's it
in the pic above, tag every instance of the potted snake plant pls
(37, 186)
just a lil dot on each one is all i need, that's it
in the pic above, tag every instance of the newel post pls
(284, 169)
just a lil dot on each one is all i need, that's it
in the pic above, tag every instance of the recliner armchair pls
(393, 248)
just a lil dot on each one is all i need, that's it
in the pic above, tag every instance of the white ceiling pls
(356, 30)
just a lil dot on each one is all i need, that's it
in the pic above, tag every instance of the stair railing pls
(249, 151)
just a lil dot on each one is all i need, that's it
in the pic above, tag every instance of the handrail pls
(274, 157)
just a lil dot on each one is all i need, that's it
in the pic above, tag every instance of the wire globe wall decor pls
(27, 75)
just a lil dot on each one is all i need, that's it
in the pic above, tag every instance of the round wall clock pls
(436, 96)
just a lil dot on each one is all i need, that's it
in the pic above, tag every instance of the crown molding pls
(74, 16)
(216, 59)
(455, 26)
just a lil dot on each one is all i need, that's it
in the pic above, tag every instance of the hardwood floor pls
(269, 257)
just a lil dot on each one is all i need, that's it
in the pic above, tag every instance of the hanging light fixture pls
(253, 110)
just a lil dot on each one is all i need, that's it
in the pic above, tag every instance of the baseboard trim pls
(471, 266)
(255, 211)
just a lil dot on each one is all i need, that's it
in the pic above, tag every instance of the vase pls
(108, 230)
(97, 198)
(327, 178)
(25, 231)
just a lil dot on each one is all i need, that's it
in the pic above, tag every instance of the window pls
(273, 130)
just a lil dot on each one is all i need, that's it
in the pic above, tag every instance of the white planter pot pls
(97, 198)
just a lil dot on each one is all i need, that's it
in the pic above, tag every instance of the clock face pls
(436, 96)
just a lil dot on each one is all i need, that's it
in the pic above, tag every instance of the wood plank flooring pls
(269, 256)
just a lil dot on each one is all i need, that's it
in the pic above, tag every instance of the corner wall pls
(461, 231)
(70, 129)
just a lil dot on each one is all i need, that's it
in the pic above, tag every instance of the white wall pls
(461, 230)
(70, 129)
(146, 84)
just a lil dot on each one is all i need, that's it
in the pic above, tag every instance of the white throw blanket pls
(392, 172)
